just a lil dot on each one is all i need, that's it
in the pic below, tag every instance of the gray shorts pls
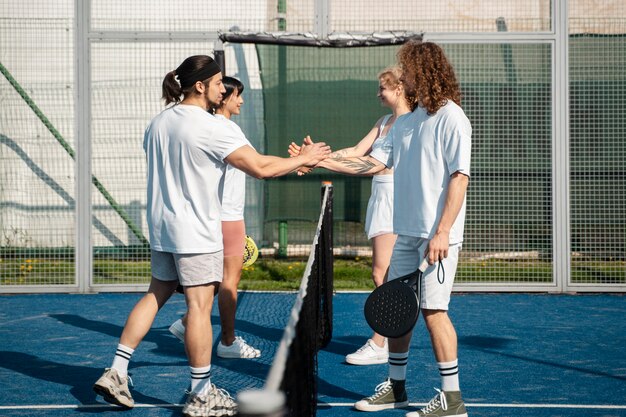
(188, 268)
(406, 258)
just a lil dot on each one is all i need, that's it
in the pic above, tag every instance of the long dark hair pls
(231, 84)
(180, 82)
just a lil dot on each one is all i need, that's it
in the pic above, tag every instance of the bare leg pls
(382, 247)
(227, 300)
(198, 331)
(442, 335)
(401, 344)
(142, 315)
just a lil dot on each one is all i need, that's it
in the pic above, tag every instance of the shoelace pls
(439, 400)
(130, 381)
(224, 395)
(370, 345)
(381, 389)
(244, 347)
(364, 348)
(197, 397)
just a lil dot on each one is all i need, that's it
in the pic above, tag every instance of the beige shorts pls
(406, 258)
(189, 269)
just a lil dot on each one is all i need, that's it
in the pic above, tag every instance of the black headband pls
(206, 72)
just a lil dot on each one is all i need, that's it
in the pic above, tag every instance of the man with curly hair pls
(429, 150)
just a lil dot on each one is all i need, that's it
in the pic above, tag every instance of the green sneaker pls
(389, 394)
(445, 404)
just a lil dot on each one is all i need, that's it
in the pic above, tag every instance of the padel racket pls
(250, 252)
(392, 309)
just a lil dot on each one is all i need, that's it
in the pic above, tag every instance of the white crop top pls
(380, 139)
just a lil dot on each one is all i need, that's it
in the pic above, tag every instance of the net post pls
(282, 239)
(218, 54)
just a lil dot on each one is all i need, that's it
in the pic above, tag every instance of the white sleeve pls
(458, 143)
(221, 140)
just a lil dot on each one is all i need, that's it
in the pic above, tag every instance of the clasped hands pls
(296, 150)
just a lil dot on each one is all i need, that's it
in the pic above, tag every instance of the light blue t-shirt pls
(424, 151)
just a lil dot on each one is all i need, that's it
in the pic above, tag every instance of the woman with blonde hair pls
(379, 216)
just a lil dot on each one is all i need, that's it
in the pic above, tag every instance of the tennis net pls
(291, 386)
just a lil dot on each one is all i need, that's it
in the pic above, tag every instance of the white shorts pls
(189, 269)
(405, 259)
(379, 216)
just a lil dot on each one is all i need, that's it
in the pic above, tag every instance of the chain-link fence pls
(81, 80)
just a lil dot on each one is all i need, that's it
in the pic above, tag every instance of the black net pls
(314, 329)
(294, 369)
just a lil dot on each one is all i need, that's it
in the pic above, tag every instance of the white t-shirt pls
(424, 152)
(234, 185)
(185, 149)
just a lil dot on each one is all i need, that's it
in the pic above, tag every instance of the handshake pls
(318, 151)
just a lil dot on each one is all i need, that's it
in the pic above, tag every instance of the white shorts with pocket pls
(189, 269)
(406, 258)
(379, 215)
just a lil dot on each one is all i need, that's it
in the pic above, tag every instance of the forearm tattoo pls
(339, 155)
(359, 165)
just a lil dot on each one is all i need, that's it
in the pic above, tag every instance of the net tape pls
(333, 40)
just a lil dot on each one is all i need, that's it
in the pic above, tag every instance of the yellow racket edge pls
(250, 252)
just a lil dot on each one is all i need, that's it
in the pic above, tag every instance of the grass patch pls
(269, 274)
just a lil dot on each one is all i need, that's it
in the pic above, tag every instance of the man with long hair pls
(187, 149)
(429, 150)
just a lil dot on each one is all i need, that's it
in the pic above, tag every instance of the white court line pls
(487, 405)
(82, 406)
(321, 405)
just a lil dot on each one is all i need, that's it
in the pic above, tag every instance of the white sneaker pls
(369, 354)
(214, 403)
(178, 330)
(114, 388)
(239, 349)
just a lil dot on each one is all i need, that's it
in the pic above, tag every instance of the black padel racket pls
(392, 309)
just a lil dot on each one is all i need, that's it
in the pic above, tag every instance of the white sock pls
(200, 379)
(121, 359)
(397, 365)
(449, 372)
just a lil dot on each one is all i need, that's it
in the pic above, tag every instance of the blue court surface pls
(519, 355)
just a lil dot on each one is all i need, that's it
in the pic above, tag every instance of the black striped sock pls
(200, 378)
(397, 365)
(449, 372)
(121, 359)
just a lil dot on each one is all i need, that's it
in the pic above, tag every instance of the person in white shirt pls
(234, 233)
(187, 150)
(379, 215)
(429, 150)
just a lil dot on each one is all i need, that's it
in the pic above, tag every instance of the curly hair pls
(428, 77)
